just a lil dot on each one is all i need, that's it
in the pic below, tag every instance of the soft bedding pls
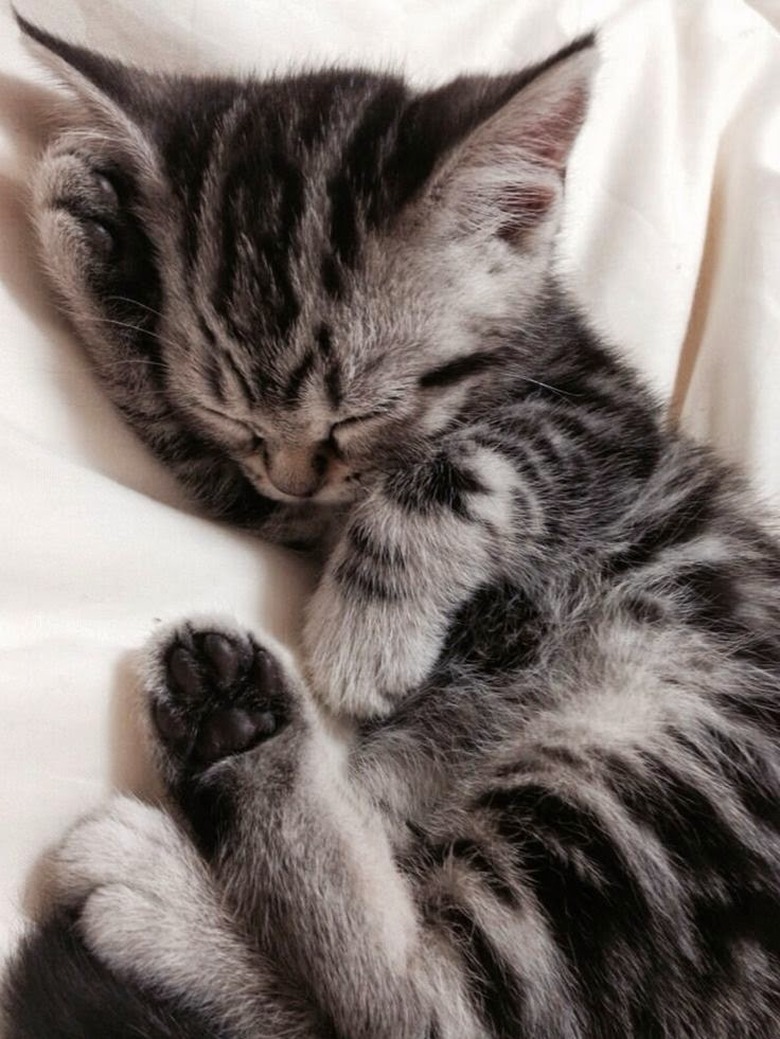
(671, 242)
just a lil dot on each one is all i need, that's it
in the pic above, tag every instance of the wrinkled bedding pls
(671, 242)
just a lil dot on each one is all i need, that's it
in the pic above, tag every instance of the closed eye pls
(352, 422)
(249, 437)
(383, 410)
(458, 369)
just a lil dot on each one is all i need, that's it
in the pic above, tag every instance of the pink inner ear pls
(550, 137)
(522, 207)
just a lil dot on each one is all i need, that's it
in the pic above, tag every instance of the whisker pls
(546, 386)
(134, 328)
(120, 362)
(134, 360)
(135, 303)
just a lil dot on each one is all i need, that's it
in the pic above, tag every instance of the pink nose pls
(297, 471)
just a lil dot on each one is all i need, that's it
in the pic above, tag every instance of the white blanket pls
(671, 241)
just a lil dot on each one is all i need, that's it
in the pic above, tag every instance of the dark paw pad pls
(223, 695)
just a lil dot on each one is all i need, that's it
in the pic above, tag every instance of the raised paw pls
(86, 199)
(215, 693)
(96, 243)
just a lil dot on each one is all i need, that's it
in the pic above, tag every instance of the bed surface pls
(671, 242)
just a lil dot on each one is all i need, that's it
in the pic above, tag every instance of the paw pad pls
(232, 731)
(223, 695)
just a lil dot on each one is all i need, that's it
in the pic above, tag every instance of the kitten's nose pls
(297, 471)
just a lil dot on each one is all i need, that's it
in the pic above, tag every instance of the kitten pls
(327, 303)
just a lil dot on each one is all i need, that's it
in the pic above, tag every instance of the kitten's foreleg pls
(411, 553)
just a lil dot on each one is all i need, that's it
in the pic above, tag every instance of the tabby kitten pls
(327, 302)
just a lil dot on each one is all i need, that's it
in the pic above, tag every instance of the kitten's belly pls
(628, 685)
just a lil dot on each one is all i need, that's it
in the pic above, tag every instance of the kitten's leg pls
(411, 553)
(145, 905)
(302, 862)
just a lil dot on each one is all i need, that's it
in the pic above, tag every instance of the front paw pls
(98, 249)
(79, 207)
(363, 657)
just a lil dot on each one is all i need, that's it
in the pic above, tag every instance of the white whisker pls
(135, 303)
(553, 389)
(134, 328)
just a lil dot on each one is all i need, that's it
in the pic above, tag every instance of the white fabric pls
(672, 242)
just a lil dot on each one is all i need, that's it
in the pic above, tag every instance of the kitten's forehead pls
(278, 193)
(278, 221)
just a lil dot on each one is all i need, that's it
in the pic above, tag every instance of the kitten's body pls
(555, 623)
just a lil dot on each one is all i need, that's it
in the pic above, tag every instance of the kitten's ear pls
(505, 176)
(114, 93)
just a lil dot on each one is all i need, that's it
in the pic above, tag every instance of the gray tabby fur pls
(528, 785)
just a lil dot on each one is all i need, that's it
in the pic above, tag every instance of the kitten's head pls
(314, 274)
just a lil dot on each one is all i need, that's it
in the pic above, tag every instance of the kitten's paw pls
(362, 657)
(78, 201)
(215, 692)
(96, 246)
(128, 846)
(141, 896)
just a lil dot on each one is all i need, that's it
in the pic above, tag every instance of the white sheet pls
(672, 241)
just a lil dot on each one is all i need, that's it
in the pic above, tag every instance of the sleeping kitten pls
(327, 303)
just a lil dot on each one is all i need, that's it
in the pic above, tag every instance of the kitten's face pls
(317, 396)
(318, 270)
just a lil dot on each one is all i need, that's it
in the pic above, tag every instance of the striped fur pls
(528, 784)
